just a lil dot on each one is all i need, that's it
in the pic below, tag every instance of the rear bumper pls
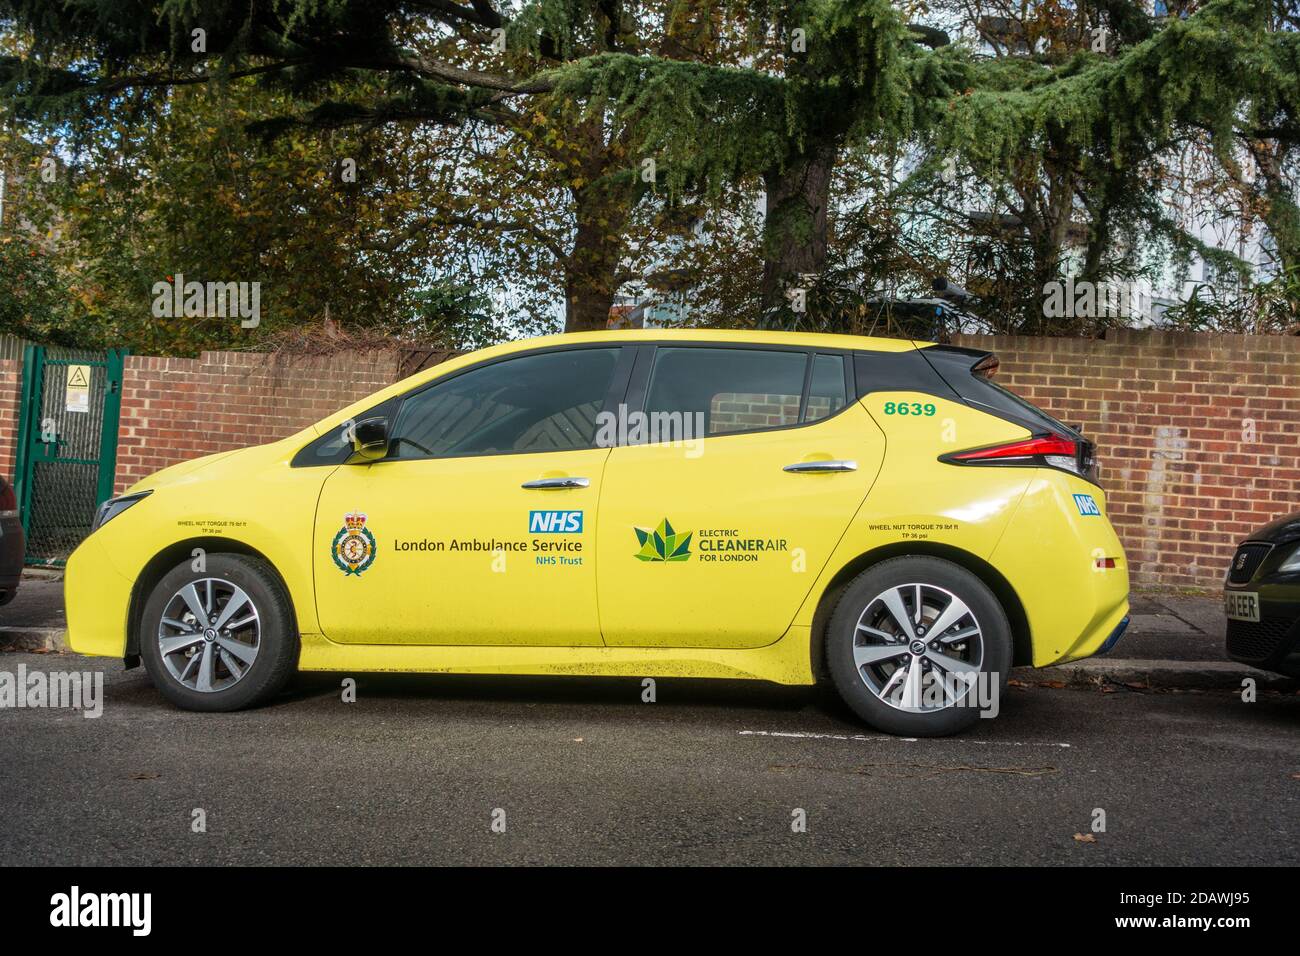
(1099, 638)
(1115, 635)
(1067, 567)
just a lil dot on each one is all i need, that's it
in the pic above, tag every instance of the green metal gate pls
(67, 445)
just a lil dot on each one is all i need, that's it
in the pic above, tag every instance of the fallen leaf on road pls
(1016, 683)
(1054, 684)
(1084, 838)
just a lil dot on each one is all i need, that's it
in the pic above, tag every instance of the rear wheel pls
(221, 638)
(916, 646)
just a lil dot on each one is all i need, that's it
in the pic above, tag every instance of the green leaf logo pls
(663, 543)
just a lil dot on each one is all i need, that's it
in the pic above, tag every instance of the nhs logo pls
(555, 522)
(1087, 505)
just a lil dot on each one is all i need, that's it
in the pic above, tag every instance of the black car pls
(1262, 598)
(12, 543)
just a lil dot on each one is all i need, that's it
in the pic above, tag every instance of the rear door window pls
(735, 390)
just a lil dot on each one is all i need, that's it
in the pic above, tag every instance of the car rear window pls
(957, 367)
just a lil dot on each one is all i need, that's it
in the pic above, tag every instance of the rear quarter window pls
(956, 366)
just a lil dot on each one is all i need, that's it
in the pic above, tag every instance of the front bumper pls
(1272, 643)
(97, 597)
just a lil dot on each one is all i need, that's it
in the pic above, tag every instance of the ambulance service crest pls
(354, 545)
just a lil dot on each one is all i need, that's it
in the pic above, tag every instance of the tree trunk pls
(591, 269)
(795, 232)
(601, 209)
(1046, 215)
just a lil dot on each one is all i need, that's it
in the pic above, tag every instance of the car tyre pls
(241, 655)
(898, 685)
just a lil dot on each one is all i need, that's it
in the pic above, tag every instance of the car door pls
(715, 540)
(478, 526)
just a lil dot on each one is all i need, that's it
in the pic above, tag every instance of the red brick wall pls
(176, 409)
(11, 371)
(1198, 435)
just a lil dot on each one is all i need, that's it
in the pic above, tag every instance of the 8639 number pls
(909, 408)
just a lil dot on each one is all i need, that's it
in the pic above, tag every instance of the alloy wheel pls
(209, 635)
(918, 647)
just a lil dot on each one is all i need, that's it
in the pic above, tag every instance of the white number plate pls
(1241, 605)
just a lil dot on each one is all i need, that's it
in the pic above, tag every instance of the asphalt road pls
(587, 773)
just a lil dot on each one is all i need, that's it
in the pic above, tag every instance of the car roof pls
(806, 340)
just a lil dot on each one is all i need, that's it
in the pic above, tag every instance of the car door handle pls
(554, 484)
(814, 467)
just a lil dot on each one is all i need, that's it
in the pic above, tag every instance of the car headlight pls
(113, 507)
(1292, 563)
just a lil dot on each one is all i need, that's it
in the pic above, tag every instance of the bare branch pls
(450, 219)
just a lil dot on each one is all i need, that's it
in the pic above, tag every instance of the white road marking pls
(802, 735)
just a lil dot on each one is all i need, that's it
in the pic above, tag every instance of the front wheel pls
(219, 639)
(917, 646)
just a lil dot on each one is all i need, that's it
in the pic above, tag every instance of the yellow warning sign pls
(78, 389)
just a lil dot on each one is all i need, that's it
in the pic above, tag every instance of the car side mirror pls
(370, 440)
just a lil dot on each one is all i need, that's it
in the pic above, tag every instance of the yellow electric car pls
(777, 506)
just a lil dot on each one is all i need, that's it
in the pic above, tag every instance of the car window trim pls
(809, 364)
(628, 387)
(807, 389)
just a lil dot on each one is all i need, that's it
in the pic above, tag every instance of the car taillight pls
(1051, 451)
(8, 501)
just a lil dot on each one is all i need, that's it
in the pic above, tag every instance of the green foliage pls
(1198, 71)
(196, 194)
(521, 172)
(32, 300)
(456, 316)
(670, 102)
